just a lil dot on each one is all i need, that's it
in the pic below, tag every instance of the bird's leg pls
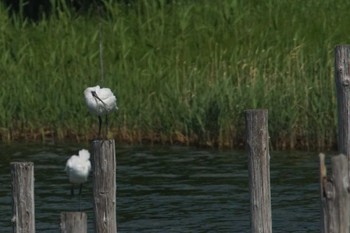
(72, 190)
(99, 126)
(106, 126)
(80, 188)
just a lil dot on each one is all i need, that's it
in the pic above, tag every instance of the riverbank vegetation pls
(183, 71)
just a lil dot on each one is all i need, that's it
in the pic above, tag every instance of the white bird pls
(100, 101)
(78, 168)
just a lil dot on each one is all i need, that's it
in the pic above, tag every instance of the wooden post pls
(73, 222)
(259, 170)
(334, 196)
(23, 197)
(104, 186)
(342, 81)
(334, 189)
(324, 193)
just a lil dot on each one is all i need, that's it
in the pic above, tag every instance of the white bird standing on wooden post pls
(100, 101)
(78, 168)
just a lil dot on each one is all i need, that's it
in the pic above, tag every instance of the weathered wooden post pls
(257, 138)
(342, 81)
(23, 197)
(334, 189)
(73, 222)
(104, 186)
(334, 196)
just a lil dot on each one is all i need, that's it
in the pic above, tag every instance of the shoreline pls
(148, 138)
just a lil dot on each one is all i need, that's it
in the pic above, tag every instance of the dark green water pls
(171, 189)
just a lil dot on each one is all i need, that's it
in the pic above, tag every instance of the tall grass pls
(183, 72)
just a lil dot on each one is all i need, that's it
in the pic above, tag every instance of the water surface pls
(170, 189)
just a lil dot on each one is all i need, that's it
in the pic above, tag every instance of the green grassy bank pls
(183, 72)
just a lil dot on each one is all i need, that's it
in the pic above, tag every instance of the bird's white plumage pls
(78, 167)
(104, 103)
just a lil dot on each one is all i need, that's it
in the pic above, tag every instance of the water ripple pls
(170, 189)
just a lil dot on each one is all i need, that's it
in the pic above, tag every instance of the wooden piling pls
(342, 81)
(23, 197)
(104, 186)
(334, 196)
(334, 189)
(257, 141)
(73, 222)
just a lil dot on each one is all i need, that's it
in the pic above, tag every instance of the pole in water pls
(257, 142)
(104, 185)
(23, 197)
(73, 222)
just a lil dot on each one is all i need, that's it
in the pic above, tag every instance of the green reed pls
(182, 71)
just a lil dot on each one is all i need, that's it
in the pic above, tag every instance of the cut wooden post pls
(73, 222)
(104, 186)
(23, 197)
(325, 193)
(334, 196)
(259, 170)
(334, 189)
(342, 81)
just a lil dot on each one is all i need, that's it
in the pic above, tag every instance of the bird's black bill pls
(94, 94)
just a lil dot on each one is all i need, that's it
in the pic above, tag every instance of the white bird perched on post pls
(100, 101)
(78, 168)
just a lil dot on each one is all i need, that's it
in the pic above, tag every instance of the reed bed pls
(183, 71)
